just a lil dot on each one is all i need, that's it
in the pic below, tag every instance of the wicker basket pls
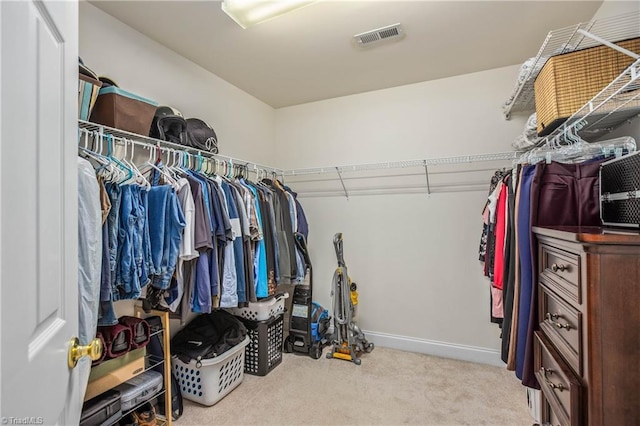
(567, 82)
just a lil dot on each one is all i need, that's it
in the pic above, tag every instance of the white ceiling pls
(308, 55)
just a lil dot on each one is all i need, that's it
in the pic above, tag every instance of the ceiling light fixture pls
(247, 13)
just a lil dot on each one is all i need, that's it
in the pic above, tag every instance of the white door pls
(38, 211)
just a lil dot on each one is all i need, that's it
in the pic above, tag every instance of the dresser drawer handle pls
(551, 317)
(552, 385)
(546, 371)
(555, 267)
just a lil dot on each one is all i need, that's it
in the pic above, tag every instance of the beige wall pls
(244, 125)
(414, 256)
(616, 7)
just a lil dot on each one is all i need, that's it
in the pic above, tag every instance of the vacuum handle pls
(301, 243)
(337, 244)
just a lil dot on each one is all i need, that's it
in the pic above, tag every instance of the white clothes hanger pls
(150, 165)
(109, 170)
(577, 149)
(138, 177)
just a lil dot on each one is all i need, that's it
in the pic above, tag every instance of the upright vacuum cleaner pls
(349, 340)
(309, 322)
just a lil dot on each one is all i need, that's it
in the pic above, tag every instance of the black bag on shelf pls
(201, 135)
(208, 336)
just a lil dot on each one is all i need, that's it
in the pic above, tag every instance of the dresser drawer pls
(562, 270)
(560, 386)
(554, 420)
(563, 325)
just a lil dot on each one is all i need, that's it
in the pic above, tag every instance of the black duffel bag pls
(208, 336)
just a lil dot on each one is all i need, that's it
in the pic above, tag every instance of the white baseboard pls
(435, 348)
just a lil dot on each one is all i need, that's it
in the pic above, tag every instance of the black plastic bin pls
(264, 353)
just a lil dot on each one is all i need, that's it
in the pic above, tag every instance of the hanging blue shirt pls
(205, 193)
(238, 250)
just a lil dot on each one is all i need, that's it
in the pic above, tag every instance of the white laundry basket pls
(208, 381)
(263, 310)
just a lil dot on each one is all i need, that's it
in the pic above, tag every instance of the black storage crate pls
(620, 191)
(264, 353)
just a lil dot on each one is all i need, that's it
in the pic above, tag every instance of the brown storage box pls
(123, 110)
(567, 82)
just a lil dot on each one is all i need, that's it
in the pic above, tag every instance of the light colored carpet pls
(390, 387)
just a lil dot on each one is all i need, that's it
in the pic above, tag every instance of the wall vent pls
(373, 37)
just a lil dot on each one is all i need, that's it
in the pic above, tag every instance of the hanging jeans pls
(166, 222)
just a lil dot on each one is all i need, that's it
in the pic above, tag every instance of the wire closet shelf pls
(121, 136)
(570, 39)
(168, 147)
(462, 159)
(368, 171)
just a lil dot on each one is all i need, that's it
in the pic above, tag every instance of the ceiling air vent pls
(374, 37)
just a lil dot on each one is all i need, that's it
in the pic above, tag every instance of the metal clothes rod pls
(397, 190)
(147, 141)
(463, 159)
(299, 180)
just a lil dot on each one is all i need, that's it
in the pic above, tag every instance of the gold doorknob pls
(93, 350)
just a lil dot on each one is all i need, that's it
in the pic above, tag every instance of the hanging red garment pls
(501, 220)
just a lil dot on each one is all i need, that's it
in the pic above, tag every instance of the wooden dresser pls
(587, 349)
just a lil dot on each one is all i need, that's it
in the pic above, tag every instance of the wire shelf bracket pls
(426, 175)
(620, 49)
(344, 188)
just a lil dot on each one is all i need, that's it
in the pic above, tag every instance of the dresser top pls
(591, 234)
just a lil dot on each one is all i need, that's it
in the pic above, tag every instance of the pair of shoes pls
(145, 415)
